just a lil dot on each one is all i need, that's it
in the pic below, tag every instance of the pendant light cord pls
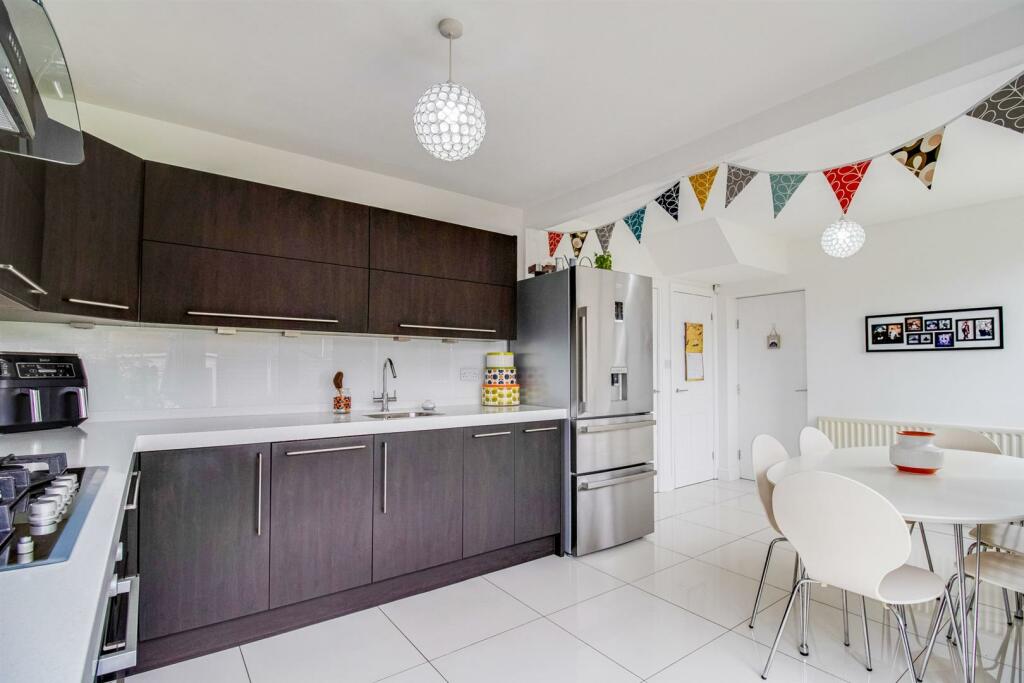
(449, 58)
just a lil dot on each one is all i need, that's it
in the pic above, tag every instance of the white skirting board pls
(847, 432)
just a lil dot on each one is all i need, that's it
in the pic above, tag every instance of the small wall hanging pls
(955, 329)
(694, 351)
(774, 339)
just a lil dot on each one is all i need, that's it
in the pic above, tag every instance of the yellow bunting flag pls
(701, 184)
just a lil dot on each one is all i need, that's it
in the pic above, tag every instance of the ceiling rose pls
(449, 120)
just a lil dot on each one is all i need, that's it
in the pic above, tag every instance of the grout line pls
(602, 654)
(244, 663)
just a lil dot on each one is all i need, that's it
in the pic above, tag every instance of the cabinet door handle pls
(447, 329)
(261, 317)
(33, 287)
(101, 304)
(384, 505)
(539, 429)
(338, 449)
(259, 493)
(486, 434)
(134, 505)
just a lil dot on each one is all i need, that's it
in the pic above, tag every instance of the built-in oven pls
(613, 507)
(119, 647)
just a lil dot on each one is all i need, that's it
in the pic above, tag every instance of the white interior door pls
(693, 402)
(772, 381)
(656, 377)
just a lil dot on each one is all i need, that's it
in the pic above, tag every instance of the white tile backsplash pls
(154, 372)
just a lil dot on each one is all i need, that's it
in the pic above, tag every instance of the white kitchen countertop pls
(53, 614)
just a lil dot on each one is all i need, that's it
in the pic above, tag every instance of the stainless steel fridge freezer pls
(585, 343)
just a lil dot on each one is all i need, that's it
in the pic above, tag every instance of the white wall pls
(157, 372)
(961, 258)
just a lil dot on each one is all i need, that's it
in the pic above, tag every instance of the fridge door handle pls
(581, 331)
(594, 429)
(591, 485)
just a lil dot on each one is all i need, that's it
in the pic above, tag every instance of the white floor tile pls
(687, 538)
(639, 631)
(445, 619)
(553, 583)
(729, 520)
(748, 503)
(733, 658)
(538, 652)
(365, 646)
(944, 667)
(225, 666)
(711, 592)
(424, 673)
(766, 536)
(710, 492)
(634, 560)
(742, 485)
(671, 503)
(746, 557)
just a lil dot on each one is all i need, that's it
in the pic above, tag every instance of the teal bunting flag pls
(635, 221)
(783, 187)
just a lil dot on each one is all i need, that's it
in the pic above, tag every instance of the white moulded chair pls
(814, 442)
(851, 537)
(766, 451)
(957, 439)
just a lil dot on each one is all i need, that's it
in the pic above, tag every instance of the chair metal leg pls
(902, 624)
(797, 589)
(764, 577)
(945, 602)
(1006, 607)
(846, 622)
(867, 639)
(927, 550)
(1020, 606)
(805, 607)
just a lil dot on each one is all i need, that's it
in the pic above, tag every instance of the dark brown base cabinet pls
(321, 519)
(417, 507)
(204, 537)
(241, 542)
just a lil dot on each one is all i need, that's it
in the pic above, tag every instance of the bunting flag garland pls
(736, 180)
(845, 180)
(921, 155)
(669, 200)
(701, 184)
(1004, 107)
(783, 187)
(604, 236)
(553, 239)
(635, 221)
(576, 239)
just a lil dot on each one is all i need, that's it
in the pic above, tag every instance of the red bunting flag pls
(553, 239)
(845, 180)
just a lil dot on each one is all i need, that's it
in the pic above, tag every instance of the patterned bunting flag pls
(783, 187)
(1004, 107)
(576, 239)
(553, 239)
(845, 180)
(736, 180)
(921, 155)
(604, 236)
(669, 200)
(635, 221)
(701, 184)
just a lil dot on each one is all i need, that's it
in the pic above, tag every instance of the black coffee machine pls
(41, 391)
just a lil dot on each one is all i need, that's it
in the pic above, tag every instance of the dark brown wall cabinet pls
(489, 465)
(204, 536)
(21, 226)
(321, 517)
(414, 305)
(422, 246)
(417, 511)
(538, 480)
(91, 237)
(208, 210)
(195, 286)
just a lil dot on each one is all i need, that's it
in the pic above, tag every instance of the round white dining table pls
(971, 488)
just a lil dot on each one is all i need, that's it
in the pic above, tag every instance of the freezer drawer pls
(607, 443)
(612, 508)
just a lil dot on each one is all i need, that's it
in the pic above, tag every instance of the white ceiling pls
(574, 91)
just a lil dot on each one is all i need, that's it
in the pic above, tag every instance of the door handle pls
(207, 314)
(681, 391)
(594, 429)
(589, 486)
(337, 449)
(100, 304)
(539, 429)
(445, 328)
(259, 493)
(581, 331)
(126, 658)
(800, 391)
(384, 496)
(485, 435)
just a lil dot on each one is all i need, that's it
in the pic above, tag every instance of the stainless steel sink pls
(398, 414)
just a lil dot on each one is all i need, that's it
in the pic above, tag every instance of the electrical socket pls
(470, 375)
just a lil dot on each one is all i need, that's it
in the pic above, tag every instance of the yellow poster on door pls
(693, 340)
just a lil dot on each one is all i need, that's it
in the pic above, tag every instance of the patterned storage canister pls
(500, 396)
(500, 359)
(500, 377)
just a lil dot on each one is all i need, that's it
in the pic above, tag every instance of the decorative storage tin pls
(500, 377)
(500, 359)
(500, 395)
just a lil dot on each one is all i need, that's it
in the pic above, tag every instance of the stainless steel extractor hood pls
(38, 112)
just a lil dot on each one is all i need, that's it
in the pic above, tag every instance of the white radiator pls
(847, 432)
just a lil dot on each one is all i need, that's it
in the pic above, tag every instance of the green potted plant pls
(603, 261)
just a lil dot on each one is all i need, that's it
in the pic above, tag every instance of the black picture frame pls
(936, 322)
